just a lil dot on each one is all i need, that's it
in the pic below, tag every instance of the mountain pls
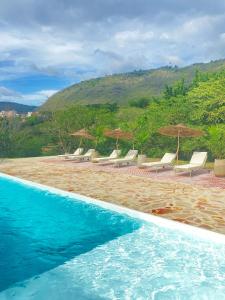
(19, 108)
(121, 88)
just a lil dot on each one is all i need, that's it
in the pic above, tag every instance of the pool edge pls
(160, 221)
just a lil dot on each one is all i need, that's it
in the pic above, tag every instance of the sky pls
(46, 46)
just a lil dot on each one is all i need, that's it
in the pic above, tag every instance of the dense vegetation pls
(128, 87)
(199, 103)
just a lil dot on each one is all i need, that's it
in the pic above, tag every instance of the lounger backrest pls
(115, 154)
(168, 158)
(199, 158)
(79, 151)
(131, 154)
(90, 152)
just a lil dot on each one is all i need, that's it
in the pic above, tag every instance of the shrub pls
(217, 141)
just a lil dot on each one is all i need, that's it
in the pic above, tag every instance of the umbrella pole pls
(178, 146)
(117, 144)
(81, 140)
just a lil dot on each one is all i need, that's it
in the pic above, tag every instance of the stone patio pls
(198, 200)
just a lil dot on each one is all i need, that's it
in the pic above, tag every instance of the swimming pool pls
(63, 246)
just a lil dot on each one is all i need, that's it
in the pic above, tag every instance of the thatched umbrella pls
(83, 133)
(118, 134)
(179, 131)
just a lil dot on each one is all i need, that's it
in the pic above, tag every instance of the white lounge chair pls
(115, 154)
(77, 152)
(166, 161)
(197, 162)
(127, 160)
(86, 157)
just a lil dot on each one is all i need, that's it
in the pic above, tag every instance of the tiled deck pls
(197, 200)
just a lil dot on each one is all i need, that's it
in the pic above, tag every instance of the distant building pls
(8, 114)
(29, 114)
(13, 114)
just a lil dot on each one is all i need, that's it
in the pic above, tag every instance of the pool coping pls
(163, 222)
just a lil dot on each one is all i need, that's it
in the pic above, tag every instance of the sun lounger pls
(86, 157)
(77, 152)
(127, 160)
(115, 154)
(166, 161)
(197, 162)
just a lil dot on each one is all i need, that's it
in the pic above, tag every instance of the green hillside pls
(122, 88)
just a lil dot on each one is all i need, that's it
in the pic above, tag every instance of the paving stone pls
(197, 200)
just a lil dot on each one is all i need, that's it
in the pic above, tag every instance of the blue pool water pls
(41, 230)
(54, 247)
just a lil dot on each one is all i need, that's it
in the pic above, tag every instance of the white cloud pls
(38, 97)
(51, 49)
(136, 36)
(42, 48)
(35, 98)
(222, 36)
(7, 93)
(47, 93)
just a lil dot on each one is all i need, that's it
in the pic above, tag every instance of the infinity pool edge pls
(163, 222)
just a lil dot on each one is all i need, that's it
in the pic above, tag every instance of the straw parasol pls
(179, 131)
(118, 134)
(83, 133)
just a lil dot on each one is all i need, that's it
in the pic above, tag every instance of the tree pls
(140, 103)
(217, 141)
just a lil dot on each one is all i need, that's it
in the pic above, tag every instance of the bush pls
(217, 141)
(141, 103)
